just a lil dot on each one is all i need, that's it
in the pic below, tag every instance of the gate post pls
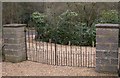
(107, 36)
(14, 42)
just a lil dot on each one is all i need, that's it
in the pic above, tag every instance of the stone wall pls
(107, 36)
(14, 42)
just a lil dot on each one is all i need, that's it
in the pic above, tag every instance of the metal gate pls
(57, 54)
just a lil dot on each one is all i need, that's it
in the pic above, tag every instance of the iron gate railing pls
(57, 54)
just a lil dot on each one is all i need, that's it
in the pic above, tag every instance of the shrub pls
(40, 24)
(68, 28)
(86, 34)
(109, 16)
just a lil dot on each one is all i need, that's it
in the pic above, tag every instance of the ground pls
(28, 68)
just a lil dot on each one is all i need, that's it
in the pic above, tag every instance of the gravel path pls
(28, 68)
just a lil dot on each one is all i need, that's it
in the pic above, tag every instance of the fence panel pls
(57, 54)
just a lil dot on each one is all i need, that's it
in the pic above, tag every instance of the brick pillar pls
(107, 47)
(14, 41)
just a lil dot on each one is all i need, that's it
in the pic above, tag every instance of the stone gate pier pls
(107, 36)
(14, 42)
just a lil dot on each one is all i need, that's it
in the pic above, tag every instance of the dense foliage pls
(109, 16)
(40, 25)
(67, 28)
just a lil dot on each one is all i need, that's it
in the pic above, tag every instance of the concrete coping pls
(14, 25)
(107, 26)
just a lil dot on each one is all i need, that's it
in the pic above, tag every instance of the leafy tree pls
(109, 16)
(66, 27)
(40, 24)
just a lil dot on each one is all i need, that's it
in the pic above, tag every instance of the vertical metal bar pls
(64, 57)
(32, 48)
(55, 54)
(93, 55)
(36, 47)
(25, 44)
(44, 53)
(47, 53)
(43, 50)
(32, 45)
(91, 58)
(86, 57)
(76, 57)
(61, 54)
(28, 43)
(81, 55)
(71, 53)
(39, 49)
(66, 54)
(51, 51)
(41, 46)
